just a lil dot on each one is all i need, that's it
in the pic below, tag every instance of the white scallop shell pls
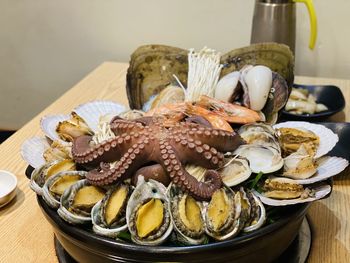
(328, 139)
(32, 151)
(320, 191)
(327, 167)
(92, 111)
(49, 124)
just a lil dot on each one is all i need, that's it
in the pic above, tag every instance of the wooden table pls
(26, 236)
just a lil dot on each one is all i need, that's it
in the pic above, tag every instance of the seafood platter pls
(196, 169)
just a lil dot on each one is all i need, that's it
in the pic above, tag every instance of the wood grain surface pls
(26, 236)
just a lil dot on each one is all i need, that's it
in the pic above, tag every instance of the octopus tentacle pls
(108, 151)
(120, 126)
(188, 183)
(221, 140)
(124, 168)
(199, 153)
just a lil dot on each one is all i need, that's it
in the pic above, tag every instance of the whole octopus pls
(150, 145)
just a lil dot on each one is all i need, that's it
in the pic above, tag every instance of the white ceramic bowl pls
(8, 184)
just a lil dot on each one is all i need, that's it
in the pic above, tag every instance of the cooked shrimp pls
(232, 113)
(215, 120)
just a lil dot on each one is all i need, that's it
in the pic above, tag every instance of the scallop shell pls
(327, 167)
(32, 151)
(93, 110)
(321, 191)
(49, 123)
(47, 196)
(328, 139)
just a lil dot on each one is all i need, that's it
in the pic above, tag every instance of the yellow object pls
(218, 211)
(64, 165)
(149, 217)
(313, 21)
(190, 214)
(115, 204)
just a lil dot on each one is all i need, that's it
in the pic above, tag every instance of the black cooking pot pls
(262, 245)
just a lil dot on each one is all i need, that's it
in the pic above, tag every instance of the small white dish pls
(8, 184)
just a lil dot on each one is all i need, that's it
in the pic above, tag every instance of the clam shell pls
(49, 123)
(32, 151)
(63, 211)
(327, 167)
(93, 110)
(229, 174)
(328, 139)
(321, 191)
(261, 159)
(96, 222)
(47, 196)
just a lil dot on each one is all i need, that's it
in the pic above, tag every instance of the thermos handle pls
(313, 21)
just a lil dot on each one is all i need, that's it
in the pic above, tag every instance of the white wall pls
(48, 46)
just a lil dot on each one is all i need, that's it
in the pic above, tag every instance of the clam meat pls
(259, 134)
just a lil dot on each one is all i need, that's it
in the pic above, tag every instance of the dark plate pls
(342, 148)
(329, 95)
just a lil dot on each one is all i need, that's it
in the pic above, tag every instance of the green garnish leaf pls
(256, 180)
(124, 235)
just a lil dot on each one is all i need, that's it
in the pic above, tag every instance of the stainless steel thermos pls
(275, 21)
